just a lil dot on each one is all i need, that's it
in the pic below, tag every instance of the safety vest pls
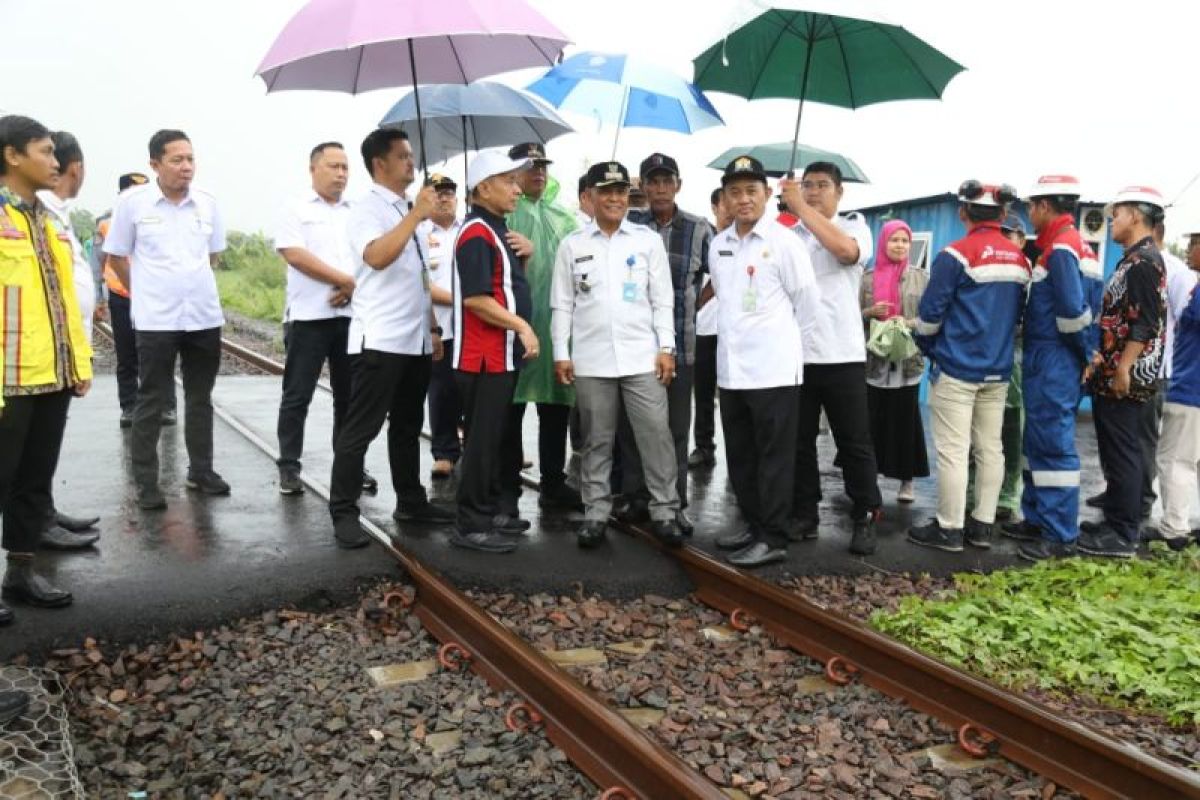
(110, 275)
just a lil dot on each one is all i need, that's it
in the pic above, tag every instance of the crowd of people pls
(616, 321)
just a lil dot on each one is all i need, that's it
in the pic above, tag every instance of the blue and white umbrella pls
(626, 92)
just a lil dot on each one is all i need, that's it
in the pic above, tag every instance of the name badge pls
(725, 253)
(583, 259)
(750, 301)
(629, 292)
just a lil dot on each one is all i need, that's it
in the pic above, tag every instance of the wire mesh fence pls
(36, 758)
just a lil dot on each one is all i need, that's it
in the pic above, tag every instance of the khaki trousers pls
(965, 415)
(1178, 458)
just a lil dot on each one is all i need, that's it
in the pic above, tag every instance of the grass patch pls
(1125, 634)
(252, 277)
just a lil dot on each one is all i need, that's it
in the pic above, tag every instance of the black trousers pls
(705, 385)
(199, 354)
(1118, 423)
(310, 343)
(491, 459)
(760, 451)
(445, 408)
(31, 433)
(554, 423)
(1148, 430)
(125, 342)
(385, 386)
(841, 390)
(679, 420)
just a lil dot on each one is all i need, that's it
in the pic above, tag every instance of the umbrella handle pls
(791, 173)
(620, 121)
(412, 63)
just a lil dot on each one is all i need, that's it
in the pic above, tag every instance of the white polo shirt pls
(612, 301)
(172, 283)
(391, 305)
(81, 270)
(318, 226)
(438, 243)
(770, 301)
(838, 337)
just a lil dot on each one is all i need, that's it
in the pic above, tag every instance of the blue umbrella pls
(456, 118)
(628, 92)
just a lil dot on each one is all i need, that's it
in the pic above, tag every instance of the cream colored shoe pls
(905, 495)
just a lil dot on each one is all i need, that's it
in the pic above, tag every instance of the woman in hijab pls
(893, 288)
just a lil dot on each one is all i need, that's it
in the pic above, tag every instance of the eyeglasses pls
(972, 189)
(819, 186)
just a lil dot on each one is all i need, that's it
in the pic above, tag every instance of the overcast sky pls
(1105, 91)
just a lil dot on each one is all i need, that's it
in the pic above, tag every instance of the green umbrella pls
(775, 159)
(836, 60)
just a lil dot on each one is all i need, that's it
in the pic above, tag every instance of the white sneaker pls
(905, 495)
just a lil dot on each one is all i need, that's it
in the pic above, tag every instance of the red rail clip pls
(402, 598)
(521, 717)
(977, 742)
(839, 671)
(617, 793)
(739, 620)
(453, 656)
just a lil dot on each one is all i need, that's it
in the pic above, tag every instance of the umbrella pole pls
(465, 159)
(412, 64)
(620, 122)
(799, 111)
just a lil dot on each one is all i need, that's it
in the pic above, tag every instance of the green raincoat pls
(546, 224)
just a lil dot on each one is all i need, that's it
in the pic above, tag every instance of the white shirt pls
(770, 303)
(391, 305)
(706, 316)
(1180, 281)
(438, 243)
(81, 270)
(172, 283)
(612, 301)
(315, 225)
(838, 337)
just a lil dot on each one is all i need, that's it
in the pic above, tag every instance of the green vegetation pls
(1126, 634)
(252, 277)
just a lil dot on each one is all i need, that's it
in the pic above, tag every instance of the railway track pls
(628, 764)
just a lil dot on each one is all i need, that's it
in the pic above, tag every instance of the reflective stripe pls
(961, 258)
(999, 273)
(1075, 324)
(1064, 479)
(1067, 247)
(10, 335)
(1040, 274)
(927, 328)
(1091, 268)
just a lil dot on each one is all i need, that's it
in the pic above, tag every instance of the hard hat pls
(986, 194)
(1137, 194)
(1054, 186)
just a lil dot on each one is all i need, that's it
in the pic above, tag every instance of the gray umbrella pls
(457, 118)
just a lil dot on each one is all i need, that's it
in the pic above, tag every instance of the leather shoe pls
(12, 705)
(349, 534)
(667, 532)
(757, 555)
(561, 497)
(6, 615)
(590, 534)
(1096, 500)
(510, 525)
(633, 512)
(802, 528)
(75, 524)
(736, 541)
(686, 527)
(127, 419)
(150, 498)
(424, 512)
(482, 541)
(208, 482)
(369, 484)
(58, 538)
(23, 585)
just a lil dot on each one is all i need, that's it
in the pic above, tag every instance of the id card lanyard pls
(629, 289)
(416, 239)
(750, 297)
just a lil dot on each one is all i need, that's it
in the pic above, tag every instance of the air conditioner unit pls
(1093, 227)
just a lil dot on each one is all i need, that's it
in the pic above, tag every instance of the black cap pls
(606, 173)
(534, 151)
(131, 179)
(1013, 224)
(658, 162)
(439, 181)
(744, 167)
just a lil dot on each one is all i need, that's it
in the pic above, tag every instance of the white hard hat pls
(986, 194)
(1053, 186)
(487, 163)
(1137, 194)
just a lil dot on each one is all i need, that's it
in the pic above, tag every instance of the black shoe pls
(1004, 514)
(1147, 509)
(510, 525)
(1178, 543)
(737, 541)
(59, 538)
(667, 532)
(590, 534)
(482, 541)
(150, 498)
(1096, 500)
(757, 555)
(6, 615)
(1044, 549)
(1105, 542)
(686, 527)
(207, 482)
(369, 485)
(23, 585)
(560, 496)
(932, 534)
(290, 483)
(1152, 533)
(75, 524)
(702, 457)
(802, 528)
(424, 512)
(169, 417)
(127, 419)
(1090, 526)
(633, 512)
(978, 534)
(1022, 531)
(862, 542)
(12, 705)
(349, 534)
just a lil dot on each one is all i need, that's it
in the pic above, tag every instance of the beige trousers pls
(1178, 458)
(965, 415)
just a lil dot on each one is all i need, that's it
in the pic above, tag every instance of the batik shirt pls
(1135, 304)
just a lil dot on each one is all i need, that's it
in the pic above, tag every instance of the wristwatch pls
(667, 351)
(437, 329)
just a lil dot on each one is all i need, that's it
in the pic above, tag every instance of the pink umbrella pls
(359, 45)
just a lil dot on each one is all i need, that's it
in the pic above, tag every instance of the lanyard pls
(398, 205)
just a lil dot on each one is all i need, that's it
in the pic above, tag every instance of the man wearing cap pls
(687, 238)
(311, 238)
(492, 340)
(614, 339)
(966, 327)
(445, 408)
(1055, 352)
(705, 377)
(545, 222)
(763, 276)
(392, 337)
(834, 356)
(1124, 373)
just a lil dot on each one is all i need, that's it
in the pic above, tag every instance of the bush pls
(252, 277)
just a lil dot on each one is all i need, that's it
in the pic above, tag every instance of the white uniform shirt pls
(438, 244)
(612, 301)
(838, 337)
(81, 270)
(770, 303)
(391, 305)
(1180, 281)
(706, 317)
(319, 227)
(168, 246)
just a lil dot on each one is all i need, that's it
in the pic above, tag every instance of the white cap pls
(487, 163)
(1055, 185)
(1137, 194)
(985, 194)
